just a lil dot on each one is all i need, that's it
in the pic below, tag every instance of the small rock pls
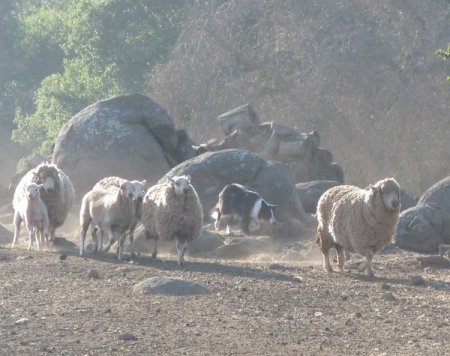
(92, 273)
(22, 321)
(127, 337)
(27, 257)
(298, 279)
(417, 280)
(386, 286)
(108, 311)
(358, 315)
(349, 322)
(62, 256)
(388, 296)
(344, 297)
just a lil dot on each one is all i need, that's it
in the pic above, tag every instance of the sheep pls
(357, 220)
(138, 196)
(57, 192)
(112, 210)
(30, 209)
(172, 211)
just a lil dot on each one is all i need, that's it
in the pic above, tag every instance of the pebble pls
(388, 296)
(22, 321)
(92, 273)
(127, 337)
(417, 280)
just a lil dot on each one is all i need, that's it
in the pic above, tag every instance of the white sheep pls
(172, 211)
(112, 210)
(57, 193)
(111, 184)
(357, 220)
(30, 209)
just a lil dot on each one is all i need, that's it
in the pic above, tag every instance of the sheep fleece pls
(167, 216)
(58, 203)
(356, 219)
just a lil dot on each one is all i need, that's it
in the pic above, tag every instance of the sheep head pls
(32, 190)
(127, 190)
(46, 174)
(181, 184)
(139, 189)
(389, 191)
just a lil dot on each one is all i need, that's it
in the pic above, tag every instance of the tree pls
(109, 48)
(445, 54)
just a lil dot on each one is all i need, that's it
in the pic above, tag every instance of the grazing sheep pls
(112, 210)
(138, 193)
(30, 209)
(57, 193)
(172, 211)
(357, 220)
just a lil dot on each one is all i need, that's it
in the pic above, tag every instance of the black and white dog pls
(242, 204)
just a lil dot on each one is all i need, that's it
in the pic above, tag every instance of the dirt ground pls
(49, 305)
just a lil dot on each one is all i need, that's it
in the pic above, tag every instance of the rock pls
(310, 193)
(426, 226)
(417, 280)
(434, 261)
(170, 286)
(242, 118)
(22, 321)
(127, 136)
(62, 256)
(207, 241)
(6, 236)
(388, 296)
(127, 337)
(242, 247)
(211, 171)
(92, 273)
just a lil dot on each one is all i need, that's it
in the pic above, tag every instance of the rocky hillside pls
(363, 73)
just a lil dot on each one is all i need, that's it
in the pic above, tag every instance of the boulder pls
(129, 136)
(425, 226)
(170, 286)
(310, 193)
(212, 171)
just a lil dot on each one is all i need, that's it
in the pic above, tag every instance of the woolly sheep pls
(172, 211)
(112, 210)
(357, 220)
(30, 209)
(113, 183)
(57, 193)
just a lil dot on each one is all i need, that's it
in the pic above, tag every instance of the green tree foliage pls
(109, 48)
(444, 54)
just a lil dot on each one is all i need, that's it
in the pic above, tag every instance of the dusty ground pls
(50, 305)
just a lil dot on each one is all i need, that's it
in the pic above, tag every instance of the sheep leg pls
(366, 266)
(120, 241)
(181, 250)
(155, 242)
(32, 236)
(52, 233)
(94, 235)
(110, 242)
(84, 228)
(17, 222)
(325, 242)
(131, 234)
(340, 256)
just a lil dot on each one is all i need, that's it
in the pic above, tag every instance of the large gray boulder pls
(130, 136)
(425, 226)
(310, 193)
(211, 171)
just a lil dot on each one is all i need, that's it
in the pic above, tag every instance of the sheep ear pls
(373, 188)
(144, 182)
(188, 177)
